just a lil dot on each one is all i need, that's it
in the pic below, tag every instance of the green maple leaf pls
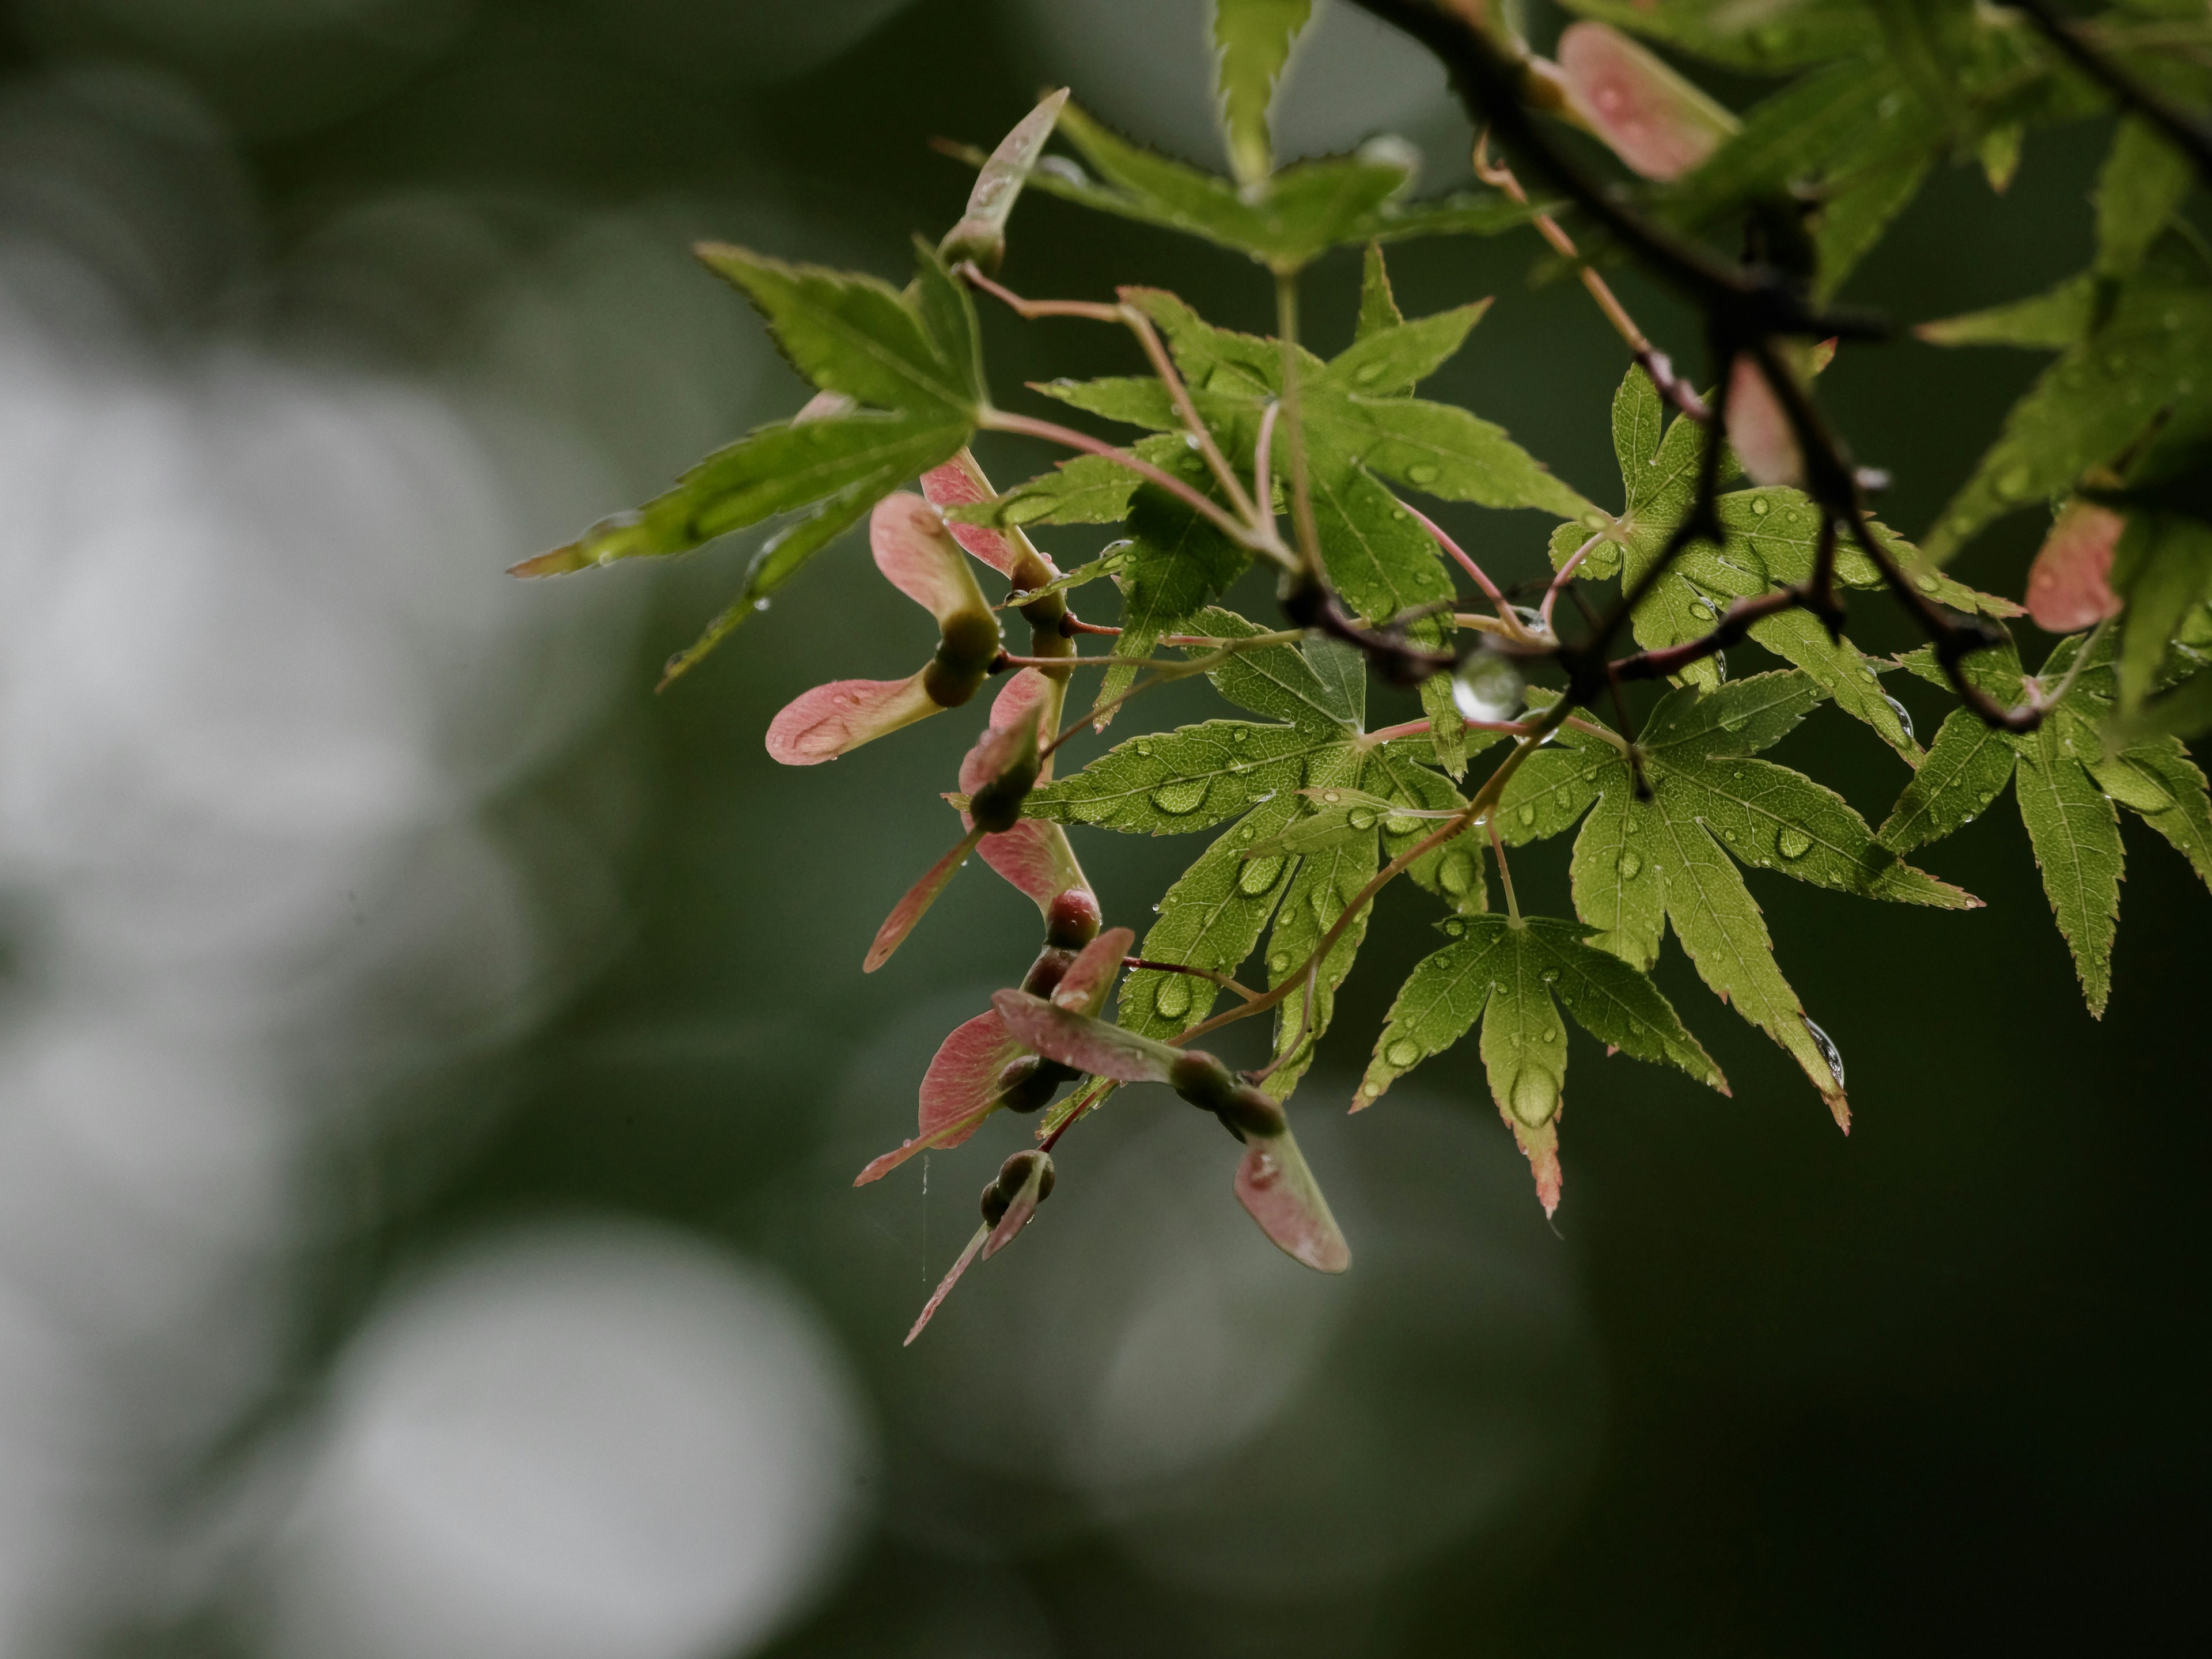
(1641, 865)
(1772, 536)
(2143, 356)
(1365, 433)
(2069, 788)
(905, 370)
(1253, 39)
(1282, 220)
(1266, 781)
(1511, 973)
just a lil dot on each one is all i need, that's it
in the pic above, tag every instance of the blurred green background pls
(1764, 1389)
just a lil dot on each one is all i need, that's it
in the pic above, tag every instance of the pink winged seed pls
(1024, 1206)
(1083, 988)
(837, 717)
(1657, 122)
(918, 555)
(1088, 1045)
(945, 1287)
(1758, 429)
(2069, 585)
(963, 1076)
(961, 483)
(918, 897)
(1278, 1189)
(1034, 856)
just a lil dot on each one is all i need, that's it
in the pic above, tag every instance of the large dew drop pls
(1794, 843)
(1187, 796)
(1259, 875)
(1487, 687)
(1172, 1000)
(1402, 1053)
(1829, 1052)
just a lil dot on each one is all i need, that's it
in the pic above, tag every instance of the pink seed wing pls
(963, 1076)
(951, 1134)
(945, 1287)
(1759, 431)
(1083, 988)
(2069, 585)
(918, 897)
(1035, 857)
(1657, 122)
(831, 720)
(1275, 1185)
(1088, 1045)
(915, 551)
(961, 483)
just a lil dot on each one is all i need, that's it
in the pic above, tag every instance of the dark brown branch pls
(2189, 133)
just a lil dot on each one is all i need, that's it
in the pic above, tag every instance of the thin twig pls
(1244, 535)
(1504, 873)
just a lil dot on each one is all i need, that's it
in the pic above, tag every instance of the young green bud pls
(969, 642)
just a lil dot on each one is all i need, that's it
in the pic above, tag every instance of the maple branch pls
(2188, 132)
(1504, 875)
(1225, 981)
(1302, 513)
(1745, 309)
(1244, 535)
(1655, 362)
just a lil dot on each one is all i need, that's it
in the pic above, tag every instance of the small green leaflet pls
(855, 334)
(1287, 220)
(1639, 865)
(1508, 973)
(1250, 775)
(912, 359)
(1773, 537)
(2069, 788)
(1253, 39)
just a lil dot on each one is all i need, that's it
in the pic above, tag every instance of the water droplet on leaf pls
(1792, 843)
(1259, 875)
(1402, 1053)
(1172, 1000)
(1631, 864)
(1176, 798)
(1829, 1052)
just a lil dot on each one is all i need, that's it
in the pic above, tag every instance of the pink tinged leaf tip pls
(1655, 121)
(1088, 1045)
(1541, 1148)
(835, 719)
(918, 897)
(961, 483)
(945, 1287)
(1759, 430)
(963, 1082)
(917, 554)
(1278, 1189)
(2069, 585)
(1089, 980)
